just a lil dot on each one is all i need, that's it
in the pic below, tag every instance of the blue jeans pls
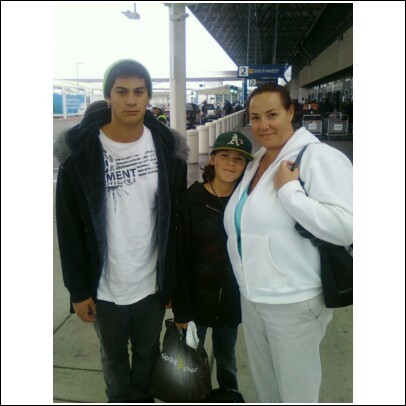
(141, 323)
(224, 339)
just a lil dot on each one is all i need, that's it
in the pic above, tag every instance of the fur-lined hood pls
(68, 140)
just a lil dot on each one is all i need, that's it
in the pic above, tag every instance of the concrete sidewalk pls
(77, 369)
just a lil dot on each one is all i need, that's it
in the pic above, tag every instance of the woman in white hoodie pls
(278, 271)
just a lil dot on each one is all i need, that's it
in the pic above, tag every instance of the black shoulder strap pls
(299, 157)
(297, 162)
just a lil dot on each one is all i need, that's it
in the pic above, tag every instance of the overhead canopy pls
(284, 33)
(219, 90)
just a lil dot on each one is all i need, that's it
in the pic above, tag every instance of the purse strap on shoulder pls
(299, 157)
(297, 162)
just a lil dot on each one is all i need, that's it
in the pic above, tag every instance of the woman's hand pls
(285, 174)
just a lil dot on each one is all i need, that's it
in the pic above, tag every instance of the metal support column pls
(64, 104)
(244, 90)
(275, 34)
(177, 68)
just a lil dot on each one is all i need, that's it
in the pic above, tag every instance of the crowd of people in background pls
(227, 109)
(325, 105)
(219, 111)
(305, 105)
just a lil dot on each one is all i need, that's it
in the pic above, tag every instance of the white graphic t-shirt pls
(131, 175)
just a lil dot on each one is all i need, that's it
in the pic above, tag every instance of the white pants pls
(283, 348)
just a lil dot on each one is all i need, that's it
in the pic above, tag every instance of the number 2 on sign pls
(243, 71)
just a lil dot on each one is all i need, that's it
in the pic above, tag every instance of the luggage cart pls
(336, 125)
(313, 123)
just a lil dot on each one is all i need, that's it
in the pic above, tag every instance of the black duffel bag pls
(336, 263)
(336, 270)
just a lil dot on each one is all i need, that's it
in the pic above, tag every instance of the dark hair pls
(126, 68)
(271, 88)
(208, 174)
(160, 111)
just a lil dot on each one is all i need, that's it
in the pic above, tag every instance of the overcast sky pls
(97, 33)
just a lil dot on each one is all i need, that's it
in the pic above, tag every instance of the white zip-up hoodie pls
(278, 265)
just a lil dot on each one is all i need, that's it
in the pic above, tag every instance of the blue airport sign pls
(73, 102)
(262, 72)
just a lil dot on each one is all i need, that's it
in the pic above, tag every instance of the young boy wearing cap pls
(207, 291)
(121, 174)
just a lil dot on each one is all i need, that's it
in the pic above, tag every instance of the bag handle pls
(297, 162)
(299, 157)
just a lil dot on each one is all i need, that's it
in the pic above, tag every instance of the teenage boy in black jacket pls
(120, 177)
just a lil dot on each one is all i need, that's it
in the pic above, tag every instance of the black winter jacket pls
(207, 291)
(81, 203)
